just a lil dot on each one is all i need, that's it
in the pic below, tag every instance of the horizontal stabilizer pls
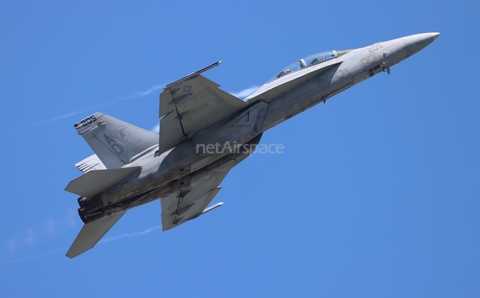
(94, 182)
(91, 233)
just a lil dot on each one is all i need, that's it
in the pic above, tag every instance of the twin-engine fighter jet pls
(184, 166)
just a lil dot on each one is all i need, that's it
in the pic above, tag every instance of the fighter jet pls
(204, 133)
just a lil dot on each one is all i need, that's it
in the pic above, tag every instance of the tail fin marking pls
(114, 141)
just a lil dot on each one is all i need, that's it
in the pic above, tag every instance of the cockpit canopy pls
(308, 62)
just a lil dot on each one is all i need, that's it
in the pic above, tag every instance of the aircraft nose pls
(418, 41)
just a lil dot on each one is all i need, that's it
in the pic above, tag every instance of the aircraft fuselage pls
(187, 164)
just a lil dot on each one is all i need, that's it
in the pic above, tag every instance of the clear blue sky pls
(376, 195)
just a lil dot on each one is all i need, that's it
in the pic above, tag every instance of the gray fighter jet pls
(205, 132)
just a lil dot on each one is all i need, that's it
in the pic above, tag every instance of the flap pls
(94, 182)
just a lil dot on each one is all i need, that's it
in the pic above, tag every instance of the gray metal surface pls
(190, 106)
(196, 114)
(189, 203)
(115, 142)
(94, 182)
(91, 233)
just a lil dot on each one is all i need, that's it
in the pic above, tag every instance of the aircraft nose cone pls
(418, 41)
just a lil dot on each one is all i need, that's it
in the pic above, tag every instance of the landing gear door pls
(385, 61)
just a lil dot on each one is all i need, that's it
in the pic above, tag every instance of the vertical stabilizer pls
(114, 141)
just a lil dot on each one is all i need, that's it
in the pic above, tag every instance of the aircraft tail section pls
(91, 233)
(115, 142)
(94, 182)
(90, 163)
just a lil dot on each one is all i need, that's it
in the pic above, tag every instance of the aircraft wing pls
(192, 104)
(180, 207)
